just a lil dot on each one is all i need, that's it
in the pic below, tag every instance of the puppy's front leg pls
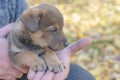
(53, 62)
(28, 59)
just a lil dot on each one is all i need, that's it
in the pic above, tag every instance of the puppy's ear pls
(31, 19)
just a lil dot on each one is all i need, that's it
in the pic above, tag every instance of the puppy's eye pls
(54, 29)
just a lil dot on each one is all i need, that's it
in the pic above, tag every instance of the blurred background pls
(100, 20)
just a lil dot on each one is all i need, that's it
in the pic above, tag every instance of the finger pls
(4, 31)
(39, 75)
(62, 75)
(22, 69)
(7, 77)
(48, 76)
(31, 74)
(80, 44)
(14, 73)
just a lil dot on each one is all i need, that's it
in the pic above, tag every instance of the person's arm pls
(15, 10)
(21, 6)
(11, 10)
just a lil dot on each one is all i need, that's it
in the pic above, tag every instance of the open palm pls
(64, 56)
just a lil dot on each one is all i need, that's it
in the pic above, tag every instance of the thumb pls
(78, 45)
(5, 30)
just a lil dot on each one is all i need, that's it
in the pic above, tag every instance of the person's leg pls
(78, 73)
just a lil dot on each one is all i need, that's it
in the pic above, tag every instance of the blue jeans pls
(76, 73)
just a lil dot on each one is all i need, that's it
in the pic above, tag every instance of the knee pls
(78, 73)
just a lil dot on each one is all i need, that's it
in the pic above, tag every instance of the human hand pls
(64, 56)
(7, 71)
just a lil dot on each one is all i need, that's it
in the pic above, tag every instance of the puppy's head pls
(44, 24)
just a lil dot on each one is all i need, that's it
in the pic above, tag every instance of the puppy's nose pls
(66, 44)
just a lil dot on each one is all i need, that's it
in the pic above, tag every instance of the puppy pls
(35, 37)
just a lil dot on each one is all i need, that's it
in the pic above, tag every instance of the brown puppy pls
(36, 36)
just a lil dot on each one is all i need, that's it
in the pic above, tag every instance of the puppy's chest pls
(27, 45)
(34, 48)
(39, 51)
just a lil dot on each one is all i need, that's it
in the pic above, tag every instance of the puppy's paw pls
(39, 65)
(56, 66)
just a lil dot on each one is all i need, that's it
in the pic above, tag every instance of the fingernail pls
(89, 39)
(20, 75)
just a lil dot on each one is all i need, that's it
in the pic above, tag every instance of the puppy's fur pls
(35, 37)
